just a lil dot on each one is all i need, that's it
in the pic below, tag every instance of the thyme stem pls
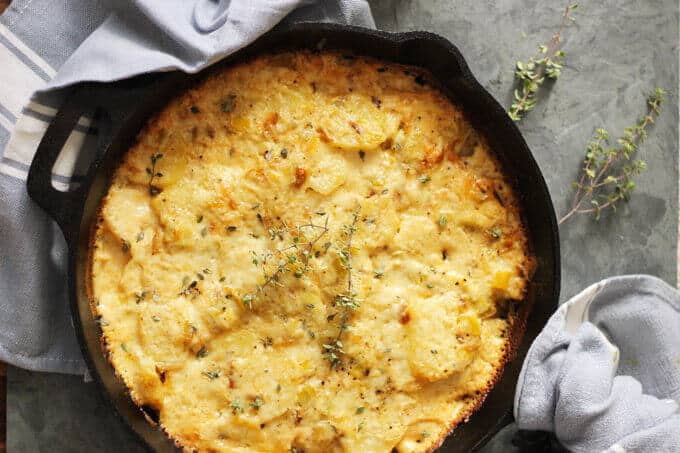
(548, 65)
(601, 170)
(286, 260)
(334, 349)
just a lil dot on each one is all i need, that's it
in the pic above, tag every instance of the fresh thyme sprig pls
(333, 350)
(531, 74)
(608, 171)
(296, 254)
(151, 171)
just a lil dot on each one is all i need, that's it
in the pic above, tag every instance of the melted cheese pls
(280, 148)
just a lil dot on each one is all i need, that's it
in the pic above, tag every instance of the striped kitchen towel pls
(36, 38)
(53, 43)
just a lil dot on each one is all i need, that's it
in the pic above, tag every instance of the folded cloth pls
(604, 374)
(161, 35)
(47, 44)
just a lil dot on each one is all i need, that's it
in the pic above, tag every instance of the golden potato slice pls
(441, 339)
(353, 122)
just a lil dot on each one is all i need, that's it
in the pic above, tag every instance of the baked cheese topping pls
(309, 252)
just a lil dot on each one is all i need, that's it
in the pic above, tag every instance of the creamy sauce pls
(309, 253)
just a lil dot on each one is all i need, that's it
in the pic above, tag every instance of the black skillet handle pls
(61, 206)
(113, 101)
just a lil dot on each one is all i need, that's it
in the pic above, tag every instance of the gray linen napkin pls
(45, 44)
(161, 35)
(604, 374)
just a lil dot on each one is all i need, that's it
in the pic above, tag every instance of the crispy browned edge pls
(517, 321)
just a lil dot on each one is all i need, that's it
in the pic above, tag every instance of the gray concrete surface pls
(617, 51)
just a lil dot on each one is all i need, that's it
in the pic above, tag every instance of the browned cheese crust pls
(309, 252)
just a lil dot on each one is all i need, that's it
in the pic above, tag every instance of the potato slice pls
(353, 123)
(441, 340)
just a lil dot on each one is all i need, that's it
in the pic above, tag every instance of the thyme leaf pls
(151, 171)
(212, 374)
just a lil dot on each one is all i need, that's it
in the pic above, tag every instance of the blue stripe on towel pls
(4, 138)
(4, 111)
(23, 167)
(24, 59)
(48, 119)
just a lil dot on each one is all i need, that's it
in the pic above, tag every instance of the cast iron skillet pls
(76, 210)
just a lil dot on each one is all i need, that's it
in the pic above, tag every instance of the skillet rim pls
(73, 231)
